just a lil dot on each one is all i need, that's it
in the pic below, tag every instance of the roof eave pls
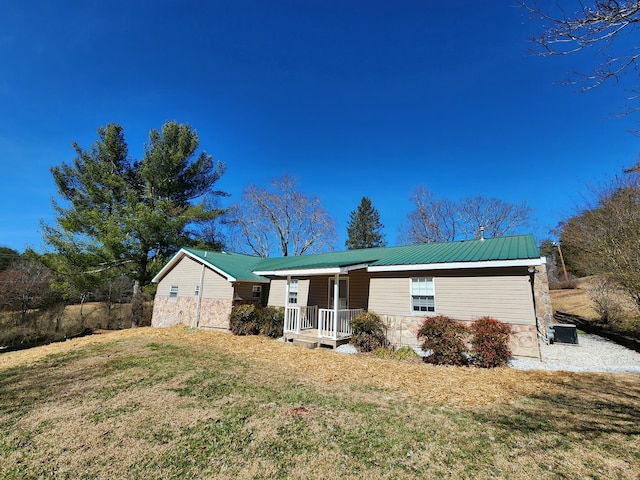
(521, 262)
(185, 253)
(311, 271)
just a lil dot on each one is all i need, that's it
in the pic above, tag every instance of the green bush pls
(243, 320)
(382, 352)
(369, 332)
(490, 342)
(445, 337)
(405, 353)
(270, 321)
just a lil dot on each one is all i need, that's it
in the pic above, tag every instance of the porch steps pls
(309, 339)
(305, 343)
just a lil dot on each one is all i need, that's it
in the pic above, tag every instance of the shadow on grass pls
(589, 406)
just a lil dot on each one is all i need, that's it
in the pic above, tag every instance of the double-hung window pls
(173, 292)
(422, 295)
(293, 292)
(256, 292)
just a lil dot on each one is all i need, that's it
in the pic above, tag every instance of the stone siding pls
(542, 299)
(402, 330)
(214, 313)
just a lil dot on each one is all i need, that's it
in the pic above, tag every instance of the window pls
(173, 293)
(422, 295)
(256, 292)
(197, 291)
(293, 292)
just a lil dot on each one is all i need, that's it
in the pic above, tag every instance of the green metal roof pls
(236, 265)
(502, 248)
(242, 267)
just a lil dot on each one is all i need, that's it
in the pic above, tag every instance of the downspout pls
(199, 304)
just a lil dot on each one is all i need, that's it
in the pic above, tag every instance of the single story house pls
(504, 278)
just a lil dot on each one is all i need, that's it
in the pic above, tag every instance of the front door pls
(343, 293)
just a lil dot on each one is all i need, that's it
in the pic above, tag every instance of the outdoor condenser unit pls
(562, 333)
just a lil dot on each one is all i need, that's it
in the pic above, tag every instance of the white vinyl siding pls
(389, 296)
(277, 293)
(186, 276)
(505, 298)
(277, 289)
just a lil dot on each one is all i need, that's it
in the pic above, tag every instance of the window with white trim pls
(173, 292)
(256, 292)
(293, 292)
(422, 295)
(197, 291)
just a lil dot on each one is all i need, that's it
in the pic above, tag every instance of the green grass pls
(151, 410)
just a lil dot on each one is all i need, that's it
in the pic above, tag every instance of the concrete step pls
(305, 343)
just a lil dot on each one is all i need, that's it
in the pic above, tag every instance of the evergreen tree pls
(364, 229)
(123, 216)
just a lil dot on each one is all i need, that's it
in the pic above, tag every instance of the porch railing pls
(330, 327)
(300, 318)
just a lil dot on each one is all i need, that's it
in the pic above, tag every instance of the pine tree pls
(364, 229)
(125, 216)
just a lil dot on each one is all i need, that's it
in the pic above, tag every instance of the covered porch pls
(320, 326)
(319, 300)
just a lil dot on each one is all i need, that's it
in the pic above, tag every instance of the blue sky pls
(353, 98)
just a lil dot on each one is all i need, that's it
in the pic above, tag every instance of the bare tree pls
(445, 220)
(495, 216)
(433, 220)
(25, 285)
(281, 219)
(595, 24)
(604, 239)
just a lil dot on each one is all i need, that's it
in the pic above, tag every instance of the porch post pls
(336, 303)
(286, 301)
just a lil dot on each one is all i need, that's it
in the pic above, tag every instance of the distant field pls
(577, 302)
(59, 323)
(176, 403)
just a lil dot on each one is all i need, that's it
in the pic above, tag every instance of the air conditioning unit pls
(562, 333)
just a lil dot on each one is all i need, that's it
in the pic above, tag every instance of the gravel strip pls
(592, 354)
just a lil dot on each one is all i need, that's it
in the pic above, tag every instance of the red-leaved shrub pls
(490, 342)
(445, 337)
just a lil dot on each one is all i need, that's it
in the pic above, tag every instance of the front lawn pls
(175, 403)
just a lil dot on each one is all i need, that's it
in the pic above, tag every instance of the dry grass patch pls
(176, 403)
(577, 301)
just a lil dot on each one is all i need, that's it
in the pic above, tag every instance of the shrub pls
(445, 337)
(405, 353)
(243, 320)
(382, 352)
(270, 321)
(490, 342)
(604, 296)
(570, 282)
(369, 332)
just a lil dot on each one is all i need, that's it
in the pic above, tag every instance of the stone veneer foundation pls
(183, 311)
(403, 331)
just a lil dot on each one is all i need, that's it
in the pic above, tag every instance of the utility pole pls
(564, 268)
